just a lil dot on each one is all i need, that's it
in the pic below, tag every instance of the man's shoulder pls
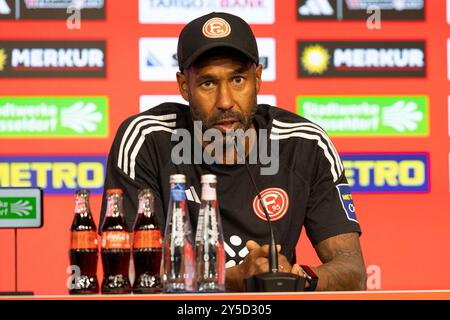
(163, 117)
(278, 117)
(292, 129)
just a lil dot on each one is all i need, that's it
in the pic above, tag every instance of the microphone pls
(274, 280)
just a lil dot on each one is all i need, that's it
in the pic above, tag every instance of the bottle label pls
(208, 192)
(80, 205)
(115, 240)
(147, 239)
(177, 192)
(84, 240)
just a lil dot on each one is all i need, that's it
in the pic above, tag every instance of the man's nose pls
(225, 97)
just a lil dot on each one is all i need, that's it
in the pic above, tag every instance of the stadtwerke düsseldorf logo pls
(52, 59)
(339, 59)
(31, 117)
(397, 116)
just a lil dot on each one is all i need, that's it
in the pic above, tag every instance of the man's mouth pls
(227, 124)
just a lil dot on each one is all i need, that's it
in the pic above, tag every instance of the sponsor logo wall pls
(381, 95)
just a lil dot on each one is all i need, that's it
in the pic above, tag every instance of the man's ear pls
(259, 68)
(182, 85)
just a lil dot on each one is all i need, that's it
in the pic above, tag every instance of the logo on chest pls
(277, 204)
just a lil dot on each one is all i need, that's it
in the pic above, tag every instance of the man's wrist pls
(311, 278)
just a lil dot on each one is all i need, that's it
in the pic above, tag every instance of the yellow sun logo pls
(315, 59)
(2, 59)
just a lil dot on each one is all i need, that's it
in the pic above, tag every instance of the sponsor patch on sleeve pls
(345, 196)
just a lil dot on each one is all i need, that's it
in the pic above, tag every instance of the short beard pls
(246, 120)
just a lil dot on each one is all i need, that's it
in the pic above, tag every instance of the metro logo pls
(402, 172)
(367, 115)
(361, 58)
(55, 174)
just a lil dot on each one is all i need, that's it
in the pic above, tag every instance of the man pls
(220, 77)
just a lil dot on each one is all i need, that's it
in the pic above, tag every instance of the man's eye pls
(238, 80)
(207, 84)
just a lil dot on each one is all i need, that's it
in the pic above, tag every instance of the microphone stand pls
(274, 280)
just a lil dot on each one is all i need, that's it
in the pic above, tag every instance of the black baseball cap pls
(213, 30)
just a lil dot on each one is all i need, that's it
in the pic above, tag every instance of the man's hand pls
(257, 261)
(343, 264)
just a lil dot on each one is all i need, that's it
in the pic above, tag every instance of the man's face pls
(222, 91)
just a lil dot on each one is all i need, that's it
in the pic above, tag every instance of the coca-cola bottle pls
(178, 251)
(83, 247)
(209, 249)
(147, 249)
(116, 248)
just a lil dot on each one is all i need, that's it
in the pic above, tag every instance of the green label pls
(367, 115)
(17, 208)
(32, 117)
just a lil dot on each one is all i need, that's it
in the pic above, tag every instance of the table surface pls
(344, 295)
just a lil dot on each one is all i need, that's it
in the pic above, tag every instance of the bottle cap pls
(82, 192)
(177, 178)
(113, 191)
(209, 178)
(144, 191)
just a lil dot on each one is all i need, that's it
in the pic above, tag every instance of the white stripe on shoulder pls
(138, 146)
(130, 127)
(309, 127)
(319, 142)
(132, 139)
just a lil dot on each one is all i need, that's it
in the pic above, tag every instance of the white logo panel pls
(448, 11)
(158, 59)
(181, 12)
(266, 50)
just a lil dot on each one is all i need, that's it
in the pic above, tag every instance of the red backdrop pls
(405, 235)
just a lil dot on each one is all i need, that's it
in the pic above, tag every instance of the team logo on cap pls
(216, 28)
(277, 204)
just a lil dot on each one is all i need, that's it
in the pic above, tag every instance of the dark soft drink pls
(83, 247)
(116, 248)
(147, 241)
